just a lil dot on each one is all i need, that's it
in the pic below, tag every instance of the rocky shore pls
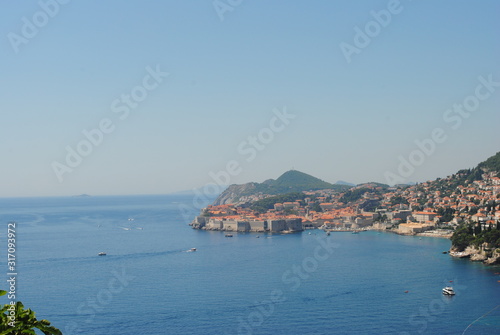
(440, 233)
(482, 253)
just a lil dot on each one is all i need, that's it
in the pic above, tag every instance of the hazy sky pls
(360, 81)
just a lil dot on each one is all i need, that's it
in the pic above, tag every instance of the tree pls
(477, 229)
(25, 321)
(446, 214)
(461, 238)
(316, 207)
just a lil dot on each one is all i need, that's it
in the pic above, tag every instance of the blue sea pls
(305, 283)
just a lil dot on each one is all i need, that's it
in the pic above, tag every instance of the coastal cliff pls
(235, 194)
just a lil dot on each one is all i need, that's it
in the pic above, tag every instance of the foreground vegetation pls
(15, 320)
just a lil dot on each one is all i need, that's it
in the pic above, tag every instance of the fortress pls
(273, 226)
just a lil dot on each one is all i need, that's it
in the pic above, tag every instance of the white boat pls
(101, 253)
(192, 250)
(448, 290)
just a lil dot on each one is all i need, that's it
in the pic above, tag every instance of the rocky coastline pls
(483, 253)
(439, 233)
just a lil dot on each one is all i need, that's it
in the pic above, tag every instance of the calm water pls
(276, 284)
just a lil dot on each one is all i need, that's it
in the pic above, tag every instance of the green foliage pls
(370, 205)
(316, 207)
(295, 181)
(469, 235)
(489, 236)
(422, 201)
(475, 174)
(492, 163)
(354, 195)
(25, 321)
(383, 186)
(461, 178)
(398, 200)
(264, 205)
(446, 213)
(473, 210)
(462, 238)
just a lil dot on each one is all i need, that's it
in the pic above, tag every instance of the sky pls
(154, 97)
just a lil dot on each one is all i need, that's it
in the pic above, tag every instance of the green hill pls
(295, 181)
(290, 182)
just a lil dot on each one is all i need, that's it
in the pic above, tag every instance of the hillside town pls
(433, 208)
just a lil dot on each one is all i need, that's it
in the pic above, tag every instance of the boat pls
(192, 250)
(101, 253)
(229, 235)
(355, 232)
(327, 233)
(448, 290)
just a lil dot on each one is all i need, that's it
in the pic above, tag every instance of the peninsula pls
(464, 206)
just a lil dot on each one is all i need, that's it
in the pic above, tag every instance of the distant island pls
(464, 207)
(81, 196)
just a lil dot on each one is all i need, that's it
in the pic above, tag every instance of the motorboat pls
(229, 235)
(448, 290)
(101, 253)
(192, 250)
